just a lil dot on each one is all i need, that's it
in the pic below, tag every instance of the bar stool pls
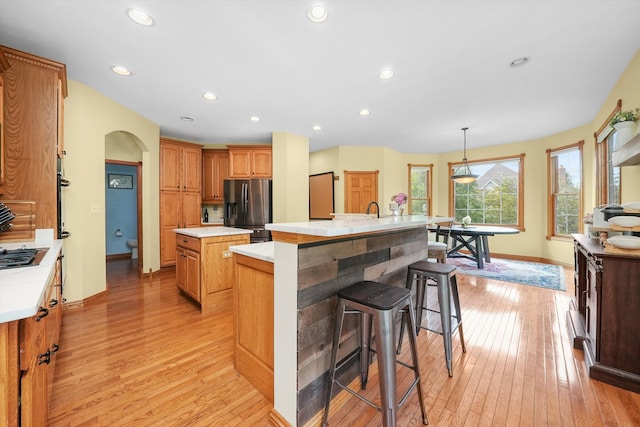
(444, 277)
(377, 304)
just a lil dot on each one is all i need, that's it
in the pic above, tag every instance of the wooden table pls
(475, 239)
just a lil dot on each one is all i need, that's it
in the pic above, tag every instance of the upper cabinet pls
(250, 161)
(4, 65)
(179, 166)
(215, 169)
(33, 92)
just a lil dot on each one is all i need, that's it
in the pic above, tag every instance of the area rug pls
(525, 273)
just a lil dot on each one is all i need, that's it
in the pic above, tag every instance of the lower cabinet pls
(28, 350)
(253, 322)
(604, 320)
(205, 269)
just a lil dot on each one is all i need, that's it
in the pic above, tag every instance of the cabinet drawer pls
(188, 242)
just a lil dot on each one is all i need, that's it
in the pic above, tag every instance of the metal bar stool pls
(445, 279)
(377, 304)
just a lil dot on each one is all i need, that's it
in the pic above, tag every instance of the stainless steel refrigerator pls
(247, 204)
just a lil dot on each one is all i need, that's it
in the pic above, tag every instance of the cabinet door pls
(191, 213)
(261, 164)
(170, 211)
(193, 274)
(215, 169)
(592, 325)
(239, 164)
(33, 395)
(221, 173)
(169, 166)
(191, 169)
(181, 268)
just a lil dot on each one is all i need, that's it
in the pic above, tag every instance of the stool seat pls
(376, 304)
(375, 295)
(445, 279)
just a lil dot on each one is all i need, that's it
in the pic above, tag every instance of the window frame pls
(519, 157)
(551, 226)
(429, 187)
(602, 155)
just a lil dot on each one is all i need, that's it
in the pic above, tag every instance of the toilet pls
(133, 244)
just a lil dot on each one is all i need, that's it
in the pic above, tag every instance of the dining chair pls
(438, 249)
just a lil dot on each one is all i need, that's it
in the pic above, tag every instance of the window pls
(607, 176)
(419, 189)
(496, 197)
(565, 190)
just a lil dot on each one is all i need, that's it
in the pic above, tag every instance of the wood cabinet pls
(180, 193)
(33, 89)
(253, 322)
(604, 320)
(205, 269)
(215, 169)
(4, 65)
(250, 162)
(28, 349)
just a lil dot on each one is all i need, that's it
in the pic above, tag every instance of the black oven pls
(62, 182)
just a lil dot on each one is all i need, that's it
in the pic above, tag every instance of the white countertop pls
(263, 250)
(201, 232)
(22, 289)
(336, 228)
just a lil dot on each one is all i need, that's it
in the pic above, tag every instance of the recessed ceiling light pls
(141, 17)
(120, 70)
(186, 118)
(317, 127)
(520, 61)
(387, 73)
(364, 112)
(317, 13)
(209, 95)
(255, 118)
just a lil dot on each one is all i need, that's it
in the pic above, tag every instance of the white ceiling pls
(265, 58)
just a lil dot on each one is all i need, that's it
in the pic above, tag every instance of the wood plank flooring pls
(142, 355)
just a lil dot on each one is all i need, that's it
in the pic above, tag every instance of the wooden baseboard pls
(87, 301)
(112, 257)
(531, 259)
(277, 420)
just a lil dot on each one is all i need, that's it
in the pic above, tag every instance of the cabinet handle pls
(54, 348)
(45, 313)
(53, 303)
(44, 358)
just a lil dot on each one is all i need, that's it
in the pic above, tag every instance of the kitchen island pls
(312, 262)
(204, 264)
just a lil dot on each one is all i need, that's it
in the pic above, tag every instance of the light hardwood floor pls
(142, 355)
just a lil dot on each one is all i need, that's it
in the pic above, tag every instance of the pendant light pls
(463, 174)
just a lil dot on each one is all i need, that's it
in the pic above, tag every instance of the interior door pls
(361, 188)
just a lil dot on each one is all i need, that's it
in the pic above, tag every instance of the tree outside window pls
(565, 190)
(419, 189)
(495, 197)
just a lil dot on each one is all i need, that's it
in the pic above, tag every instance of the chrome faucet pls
(377, 208)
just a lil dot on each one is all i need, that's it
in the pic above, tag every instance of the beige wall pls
(89, 118)
(290, 157)
(532, 241)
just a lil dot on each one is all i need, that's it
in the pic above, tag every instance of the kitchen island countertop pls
(335, 228)
(201, 232)
(263, 250)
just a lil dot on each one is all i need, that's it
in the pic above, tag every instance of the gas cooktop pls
(23, 257)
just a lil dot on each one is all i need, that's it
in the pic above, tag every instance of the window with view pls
(496, 197)
(608, 181)
(565, 190)
(419, 189)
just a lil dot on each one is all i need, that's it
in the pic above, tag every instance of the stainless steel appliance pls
(23, 257)
(247, 204)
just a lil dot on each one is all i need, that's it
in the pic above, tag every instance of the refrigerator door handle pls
(245, 201)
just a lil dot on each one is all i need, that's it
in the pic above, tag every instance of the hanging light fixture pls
(463, 174)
